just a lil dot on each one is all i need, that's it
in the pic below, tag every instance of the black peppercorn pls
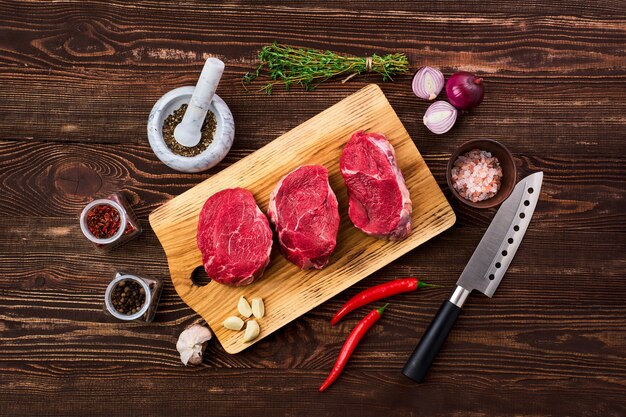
(128, 296)
(207, 132)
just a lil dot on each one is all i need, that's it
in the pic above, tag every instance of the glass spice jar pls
(109, 222)
(132, 298)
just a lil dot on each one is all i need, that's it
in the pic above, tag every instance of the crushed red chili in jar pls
(103, 221)
(100, 222)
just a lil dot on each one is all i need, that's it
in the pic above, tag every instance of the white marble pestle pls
(188, 132)
(199, 99)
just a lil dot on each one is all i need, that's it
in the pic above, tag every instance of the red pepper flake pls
(129, 228)
(103, 221)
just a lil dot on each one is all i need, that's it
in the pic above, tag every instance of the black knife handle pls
(420, 360)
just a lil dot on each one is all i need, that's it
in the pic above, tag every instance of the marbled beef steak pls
(379, 203)
(303, 210)
(234, 237)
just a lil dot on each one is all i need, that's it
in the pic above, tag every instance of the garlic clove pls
(258, 308)
(252, 331)
(233, 323)
(191, 344)
(244, 307)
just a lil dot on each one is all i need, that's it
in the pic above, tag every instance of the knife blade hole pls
(527, 203)
(530, 190)
(516, 228)
(504, 253)
(491, 277)
(522, 215)
(498, 265)
(510, 240)
(200, 277)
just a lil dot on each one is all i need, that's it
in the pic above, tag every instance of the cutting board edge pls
(152, 217)
(159, 221)
(444, 227)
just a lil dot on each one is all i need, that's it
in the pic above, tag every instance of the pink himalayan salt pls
(476, 175)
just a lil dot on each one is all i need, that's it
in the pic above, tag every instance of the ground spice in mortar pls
(208, 130)
(128, 297)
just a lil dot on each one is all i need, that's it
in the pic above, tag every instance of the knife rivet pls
(491, 277)
(504, 253)
(516, 228)
(498, 265)
(522, 215)
(510, 240)
(530, 190)
(527, 203)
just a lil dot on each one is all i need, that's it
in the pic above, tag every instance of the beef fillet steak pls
(234, 237)
(379, 203)
(303, 209)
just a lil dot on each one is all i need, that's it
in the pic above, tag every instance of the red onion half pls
(440, 117)
(465, 90)
(427, 83)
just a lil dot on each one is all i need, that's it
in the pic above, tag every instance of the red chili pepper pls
(378, 292)
(350, 344)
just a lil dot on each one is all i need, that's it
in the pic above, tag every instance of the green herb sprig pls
(286, 65)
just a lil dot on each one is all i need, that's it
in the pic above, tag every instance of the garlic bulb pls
(191, 344)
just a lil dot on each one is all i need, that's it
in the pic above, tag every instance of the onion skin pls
(465, 91)
(440, 117)
(427, 83)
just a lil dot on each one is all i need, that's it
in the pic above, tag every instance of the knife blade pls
(483, 272)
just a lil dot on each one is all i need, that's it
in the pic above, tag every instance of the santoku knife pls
(483, 272)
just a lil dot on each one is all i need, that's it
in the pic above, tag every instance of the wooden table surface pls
(77, 81)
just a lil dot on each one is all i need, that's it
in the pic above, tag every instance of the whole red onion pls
(465, 90)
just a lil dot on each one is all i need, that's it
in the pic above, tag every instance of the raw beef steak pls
(234, 237)
(303, 209)
(380, 204)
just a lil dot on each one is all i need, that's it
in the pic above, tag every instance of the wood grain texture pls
(77, 81)
(287, 291)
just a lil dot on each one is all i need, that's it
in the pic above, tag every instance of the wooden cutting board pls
(287, 291)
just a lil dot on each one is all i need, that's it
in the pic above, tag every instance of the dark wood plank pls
(538, 290)
(51, 179)
(537, 334)
(78, 80)
(221, 394)
(542, 71)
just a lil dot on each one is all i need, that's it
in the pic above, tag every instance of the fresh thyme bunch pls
(287, 66)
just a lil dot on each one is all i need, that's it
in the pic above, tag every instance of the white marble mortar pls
(217, 150)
